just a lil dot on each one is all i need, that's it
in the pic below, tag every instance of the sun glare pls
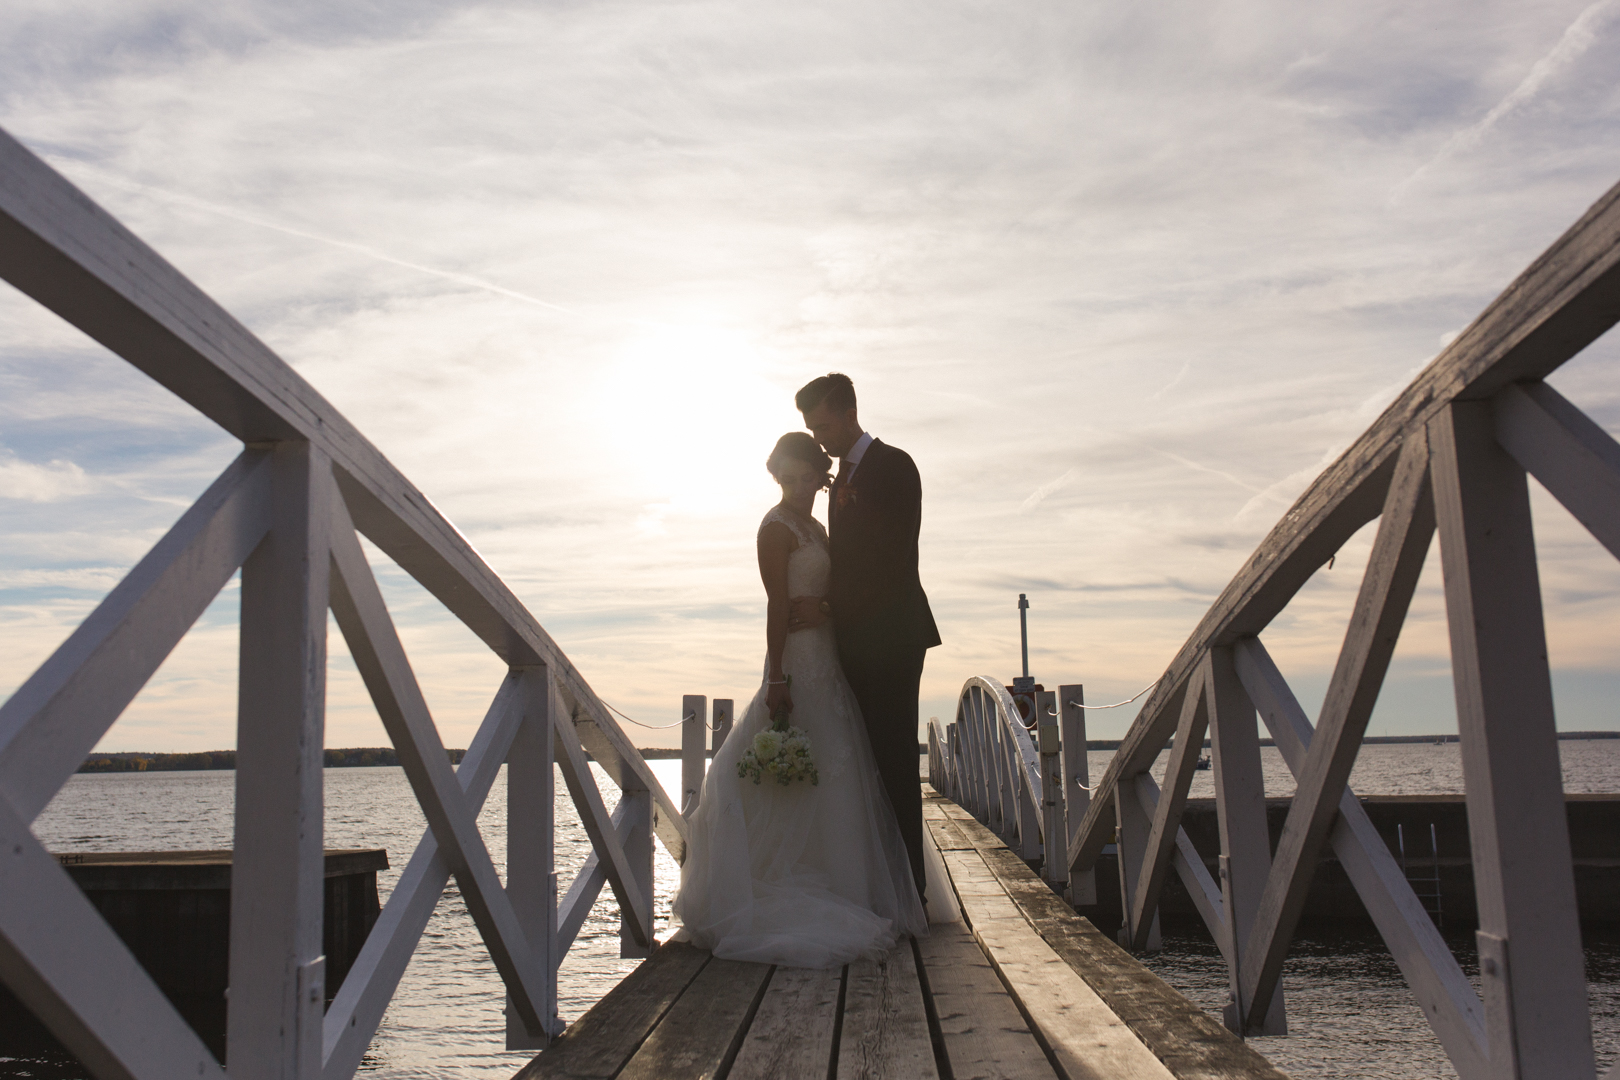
(692, 414)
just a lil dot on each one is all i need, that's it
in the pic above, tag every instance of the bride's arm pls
(776, 543)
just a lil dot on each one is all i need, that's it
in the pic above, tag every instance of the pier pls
(1022, 985)
(1012, 985)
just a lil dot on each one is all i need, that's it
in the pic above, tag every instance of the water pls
(446, 1017)
(1591, 766)
(1350, 1013)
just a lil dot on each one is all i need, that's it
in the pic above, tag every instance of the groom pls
(876, 602)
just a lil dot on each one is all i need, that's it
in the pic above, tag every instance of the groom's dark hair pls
(834, 389)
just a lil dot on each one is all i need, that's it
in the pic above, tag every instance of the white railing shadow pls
(287, 513)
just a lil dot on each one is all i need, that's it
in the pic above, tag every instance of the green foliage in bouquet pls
(780, 752)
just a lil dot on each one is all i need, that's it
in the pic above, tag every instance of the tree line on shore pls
(356, 757)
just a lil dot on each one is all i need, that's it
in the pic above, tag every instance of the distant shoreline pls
(137, 761)
(660, 753)
(367, 756)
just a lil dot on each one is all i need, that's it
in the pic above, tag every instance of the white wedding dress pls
(801, 875)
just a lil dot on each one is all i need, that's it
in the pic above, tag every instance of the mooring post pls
(1076, 791)
(723, 712)
(694, 707)
(1054, 831)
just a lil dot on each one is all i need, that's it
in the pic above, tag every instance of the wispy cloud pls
(1121, 278)
(1577, 38)
(1039, 494)
(75, 167)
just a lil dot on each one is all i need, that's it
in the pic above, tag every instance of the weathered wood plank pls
(792, 1032)
(596, 1046)
(1192, 1045)
(944, 836)
(885, 1030)
(1087, 1039)
(699, 1036)
(986, 1037)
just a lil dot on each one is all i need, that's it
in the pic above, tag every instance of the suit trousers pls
(886, 686)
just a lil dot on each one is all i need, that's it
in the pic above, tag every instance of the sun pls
(692, 412)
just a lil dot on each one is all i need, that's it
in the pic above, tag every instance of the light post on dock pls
(1024, 684)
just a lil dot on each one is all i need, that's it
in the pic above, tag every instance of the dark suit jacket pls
(877, 598)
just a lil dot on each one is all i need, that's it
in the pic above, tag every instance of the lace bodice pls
(810, 564)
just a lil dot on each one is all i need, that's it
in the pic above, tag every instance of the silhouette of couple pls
(818, 874)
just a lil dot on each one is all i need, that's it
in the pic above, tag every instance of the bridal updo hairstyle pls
(799, 446)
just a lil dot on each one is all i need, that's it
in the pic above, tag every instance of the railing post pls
(1054, 831)
(935, 760)
(1132, 844)
(953, 760)
(638, 852)
(1076, 796)
(693, 709)
(723, 715)
(277, 970)
(1240, 808)
(984, 780)
(531, 881)
(1532, 970)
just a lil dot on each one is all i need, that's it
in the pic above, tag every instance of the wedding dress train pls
(801, 875)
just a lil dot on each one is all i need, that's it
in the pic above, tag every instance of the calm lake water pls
(1349, 1010)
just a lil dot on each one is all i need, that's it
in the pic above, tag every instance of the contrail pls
(361, 249)
(1576, 40)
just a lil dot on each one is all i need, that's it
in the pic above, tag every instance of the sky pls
(1122, 278)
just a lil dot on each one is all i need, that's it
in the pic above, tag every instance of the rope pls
(659, 727)
(1081, 705)
(1117, 704)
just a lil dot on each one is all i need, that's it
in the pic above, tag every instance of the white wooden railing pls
(287, 513)
(1450, 455)
(1026, 779)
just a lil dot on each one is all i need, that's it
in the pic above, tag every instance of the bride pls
(804, 875)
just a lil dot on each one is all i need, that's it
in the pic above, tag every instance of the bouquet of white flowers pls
(780, 752)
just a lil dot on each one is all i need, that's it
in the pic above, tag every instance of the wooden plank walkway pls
(1019, 988)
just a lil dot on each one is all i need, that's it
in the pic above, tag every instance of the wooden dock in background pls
(1019, 988)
